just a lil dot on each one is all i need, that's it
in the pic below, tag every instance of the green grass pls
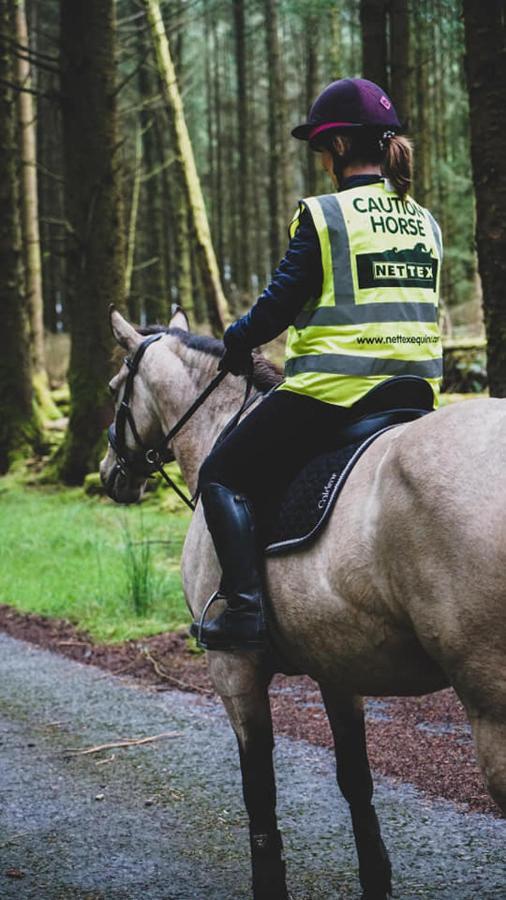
(88, 560)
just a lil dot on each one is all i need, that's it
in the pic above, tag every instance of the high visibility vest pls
(377, 315)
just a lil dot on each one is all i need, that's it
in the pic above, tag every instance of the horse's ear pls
(124, 333)
(179, 318)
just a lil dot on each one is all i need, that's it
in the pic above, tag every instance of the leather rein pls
(146, 460)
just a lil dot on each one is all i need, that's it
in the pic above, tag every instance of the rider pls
(358, 289)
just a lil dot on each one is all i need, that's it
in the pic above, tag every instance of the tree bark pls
(243, 149)
(18, 426)
(422, 143)
(311, 39)
(29, 206)
(276, 106)
(373, 19)
(132, 223)
(216, 301)
(401, 70)
(95, 258)
(154, 280)
(485, 35)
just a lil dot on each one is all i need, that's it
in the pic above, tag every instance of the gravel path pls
(165, 820)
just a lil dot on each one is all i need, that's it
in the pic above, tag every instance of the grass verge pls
(111, 570)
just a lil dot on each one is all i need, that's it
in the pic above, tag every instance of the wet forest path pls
(164, 820)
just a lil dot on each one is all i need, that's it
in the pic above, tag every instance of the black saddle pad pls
(308, 502)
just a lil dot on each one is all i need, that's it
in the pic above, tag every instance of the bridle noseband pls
(146, 460)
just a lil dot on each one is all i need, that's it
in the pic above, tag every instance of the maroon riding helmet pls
(347, 104)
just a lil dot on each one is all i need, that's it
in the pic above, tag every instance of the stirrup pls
(225, 644)
(197, 629)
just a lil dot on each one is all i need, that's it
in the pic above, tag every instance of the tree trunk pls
(217, 114)
(132, 224)
(29, 207)
(373, 19)
(166, 199)
(216, 301)
(154, 280)
(311, 41)
(18, 427)
(95, 260)
(422, 143)
(485, 31)
(401, 70)
(243, 174)
(276, 105)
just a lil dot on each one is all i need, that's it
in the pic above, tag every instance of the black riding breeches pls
(263, 454)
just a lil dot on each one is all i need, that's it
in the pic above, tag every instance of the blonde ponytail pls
(397, 163)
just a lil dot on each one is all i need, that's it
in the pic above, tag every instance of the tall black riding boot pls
(242, 625)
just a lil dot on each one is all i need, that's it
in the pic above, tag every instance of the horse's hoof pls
(375, 895)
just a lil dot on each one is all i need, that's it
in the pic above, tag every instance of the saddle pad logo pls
(327, 491)
(414, 267)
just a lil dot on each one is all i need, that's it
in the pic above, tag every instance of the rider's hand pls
(237, 361)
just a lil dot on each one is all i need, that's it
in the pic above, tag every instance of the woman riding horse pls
(358, 288)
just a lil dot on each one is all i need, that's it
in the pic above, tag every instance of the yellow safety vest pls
(376, 316)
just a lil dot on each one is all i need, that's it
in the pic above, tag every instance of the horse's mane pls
(265, 374)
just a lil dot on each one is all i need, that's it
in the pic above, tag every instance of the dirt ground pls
(424, 741)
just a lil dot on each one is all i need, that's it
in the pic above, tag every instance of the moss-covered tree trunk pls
(30, 219)
(95, 252)
(18, 425)
(485, 29)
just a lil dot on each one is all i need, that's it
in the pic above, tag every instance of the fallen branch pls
(127, 742)
(70, 643)
(177, 681)
(108, 759)
(126, 667)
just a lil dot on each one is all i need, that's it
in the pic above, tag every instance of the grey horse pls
(404, 593)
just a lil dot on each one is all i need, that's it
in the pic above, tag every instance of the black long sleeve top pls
(297, 279)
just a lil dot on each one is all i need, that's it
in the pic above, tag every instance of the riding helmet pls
(347, 104)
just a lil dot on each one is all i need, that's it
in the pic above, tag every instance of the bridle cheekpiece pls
(146, 460)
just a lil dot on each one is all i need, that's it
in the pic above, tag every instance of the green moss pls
(93, 486)
(20, 436)
(43, 397)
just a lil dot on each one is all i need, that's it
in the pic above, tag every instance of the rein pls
(148, 460)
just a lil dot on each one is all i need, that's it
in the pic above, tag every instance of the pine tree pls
(18, 424)
(95, 250)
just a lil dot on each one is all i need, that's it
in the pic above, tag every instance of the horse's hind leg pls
(245, 695)
(489, 733)
(354, 778)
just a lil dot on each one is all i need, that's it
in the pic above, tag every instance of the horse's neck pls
(198, 436)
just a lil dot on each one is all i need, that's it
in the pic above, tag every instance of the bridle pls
(145, 460)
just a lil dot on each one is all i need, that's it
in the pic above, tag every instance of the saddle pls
(310, 498)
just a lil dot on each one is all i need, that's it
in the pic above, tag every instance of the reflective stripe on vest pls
(376, 316)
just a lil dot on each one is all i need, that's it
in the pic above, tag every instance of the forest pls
(147, 161)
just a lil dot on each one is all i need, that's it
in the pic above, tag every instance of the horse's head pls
(137, 428)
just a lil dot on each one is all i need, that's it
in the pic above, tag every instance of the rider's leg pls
(254, 463)
(230, 520)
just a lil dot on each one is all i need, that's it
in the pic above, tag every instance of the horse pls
(403, 594)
